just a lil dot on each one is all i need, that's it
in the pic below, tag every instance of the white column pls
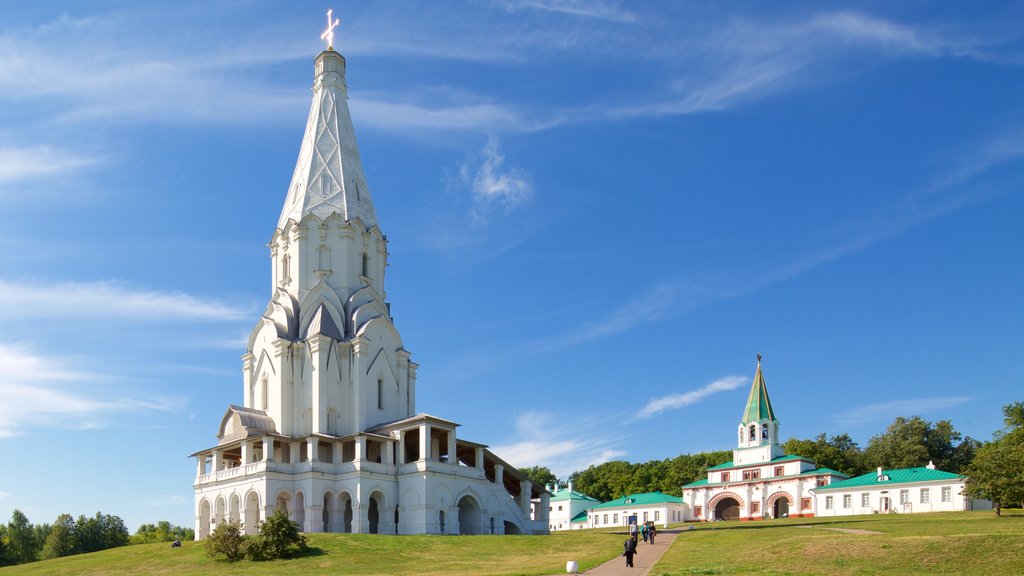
(401, 448)
(388, 457)
(452, 457)
(425, 441)
(200, 465)
(293, 452)
(525, 488)
(478, 456)
(313, 449)
(246, 452)
(218, 462)
(499, 474)
(268, 449)
(360, 449)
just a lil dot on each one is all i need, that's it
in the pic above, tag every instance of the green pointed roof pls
(759, 407)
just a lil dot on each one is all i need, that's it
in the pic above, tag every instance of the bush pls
(226, 541)
(279, 537)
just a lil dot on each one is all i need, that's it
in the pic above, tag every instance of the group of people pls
(647, 530)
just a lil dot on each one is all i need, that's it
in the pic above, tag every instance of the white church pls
(328, 429)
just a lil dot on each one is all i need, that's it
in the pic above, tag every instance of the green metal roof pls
(579, 518)
(815, 472)
(698, 483)
(759, 407)
(897, 476)
(564, 494)
(645, 499)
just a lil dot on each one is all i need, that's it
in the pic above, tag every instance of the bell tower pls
(758, 431)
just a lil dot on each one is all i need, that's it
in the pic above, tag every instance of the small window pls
(645, 516)
(828, 502)
(657, 515)
(947, 493)
(697, 511)
(805, 503)
(380, 393)
(366, 265)
(725, 476)
(865, 499)
(904, 496)
(615, 518)
(605, 518)
(440, 520)
(753, 433)
(926, 495)
(559, 508)
(764, 432)
(847, 501)
(755, 507)
(780, 470)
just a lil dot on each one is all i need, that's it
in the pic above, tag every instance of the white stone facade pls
(900, 491)
(566, 504)
(328, 429)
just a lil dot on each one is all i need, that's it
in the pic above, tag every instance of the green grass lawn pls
(933, 544)
(362, 554)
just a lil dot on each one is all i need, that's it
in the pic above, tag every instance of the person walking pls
(643, 531)
(633, 532)
(629, 548)
(650, 533)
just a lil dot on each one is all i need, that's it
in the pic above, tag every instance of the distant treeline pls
(22, 542)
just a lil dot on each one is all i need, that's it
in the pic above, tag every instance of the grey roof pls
(323, 323)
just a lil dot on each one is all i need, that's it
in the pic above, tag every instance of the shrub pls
(226, 540)
(279, 537)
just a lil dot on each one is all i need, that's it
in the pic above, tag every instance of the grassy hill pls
(932, 544)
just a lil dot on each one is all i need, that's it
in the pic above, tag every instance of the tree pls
(100, 532)
(540, 475)
(226, 540)
(162, 531)
(997, 471)
(21, 541)
(62, 540)
(4, 558)
(838, 452)
(278, 537)
(909, 442)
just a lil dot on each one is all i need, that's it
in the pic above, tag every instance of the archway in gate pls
(469, 515)
(373, 516)
(204, 519)
(252, 512)
(727, 509)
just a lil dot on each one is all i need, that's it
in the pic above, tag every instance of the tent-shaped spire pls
(759, 407)
(328, 175)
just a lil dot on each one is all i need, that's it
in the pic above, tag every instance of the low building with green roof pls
(566, 506)
(901, 490)
(662, 509)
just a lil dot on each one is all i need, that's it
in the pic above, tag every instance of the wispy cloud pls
(681, 400)
(609, 11)
(107, 300)
(543, 439)
(888, 410)
(39, 162)
(43, 390)
(491, 185)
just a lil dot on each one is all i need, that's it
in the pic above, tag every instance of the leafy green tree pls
(100, 532)
(162, 531)
(540, 475)
(838, 452)
(21, 540)
(226, 540)
(997, 472)
(4, 558)
(278, 537)
(62, 540)
(909, 442)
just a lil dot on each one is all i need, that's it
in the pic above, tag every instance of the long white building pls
(327, 428)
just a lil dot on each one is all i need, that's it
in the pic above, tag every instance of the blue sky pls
(598, 213)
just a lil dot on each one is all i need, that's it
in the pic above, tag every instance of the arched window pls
(764, 432)
(366, 265)
(440, 521)
(324, 260)
(380, 393)
(753, 432)
(285, 265)
(264, 392)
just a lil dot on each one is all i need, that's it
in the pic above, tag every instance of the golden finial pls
(328, 34)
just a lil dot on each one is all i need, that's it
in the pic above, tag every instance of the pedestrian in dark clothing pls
(643, 530)
(650, 533)
(633, 533)
(629, 549)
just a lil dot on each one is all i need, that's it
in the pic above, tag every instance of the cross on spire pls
(328, 34)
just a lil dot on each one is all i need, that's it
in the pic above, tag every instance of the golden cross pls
(329, 33)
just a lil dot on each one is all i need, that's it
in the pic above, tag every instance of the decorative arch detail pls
(714, 501)
(774, 497)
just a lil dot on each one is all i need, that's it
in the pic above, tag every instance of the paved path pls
(647, 556)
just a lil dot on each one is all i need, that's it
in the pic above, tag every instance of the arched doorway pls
(727, 509)
(781, 508)
(283, 503)
(218, 516)
(252, 512)
(299, 515)
(204, 519)
(469, 516)
(326, 516)
(511, 528)
(347, 517)
(235, 509)
(373, 516)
